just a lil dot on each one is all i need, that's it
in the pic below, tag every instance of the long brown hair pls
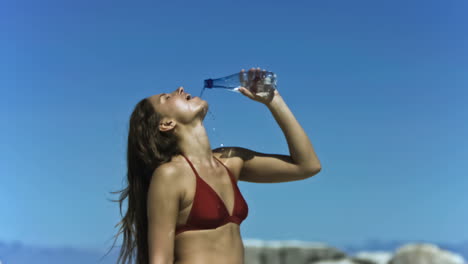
(147, 149)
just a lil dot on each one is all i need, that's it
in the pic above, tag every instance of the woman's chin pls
(204, 111)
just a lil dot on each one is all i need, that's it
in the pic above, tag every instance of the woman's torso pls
(222, 244)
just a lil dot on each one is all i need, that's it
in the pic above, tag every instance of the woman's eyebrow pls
(161, 96)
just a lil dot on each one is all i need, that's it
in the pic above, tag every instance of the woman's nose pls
(180, 90)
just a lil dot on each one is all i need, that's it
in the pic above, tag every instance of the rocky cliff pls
(296, 252)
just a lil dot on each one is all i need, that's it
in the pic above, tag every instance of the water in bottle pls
(257, 81)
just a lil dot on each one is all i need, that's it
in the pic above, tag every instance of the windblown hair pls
(147, 149)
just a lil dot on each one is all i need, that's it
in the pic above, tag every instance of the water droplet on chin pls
(222, 145)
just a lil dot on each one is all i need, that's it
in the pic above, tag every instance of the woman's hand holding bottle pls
(259, 90)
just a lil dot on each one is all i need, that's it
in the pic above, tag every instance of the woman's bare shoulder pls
(171, 166)
(174, 173)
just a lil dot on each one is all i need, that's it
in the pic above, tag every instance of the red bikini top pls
(208, 210)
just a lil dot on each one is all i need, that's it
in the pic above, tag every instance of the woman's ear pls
(167, 125)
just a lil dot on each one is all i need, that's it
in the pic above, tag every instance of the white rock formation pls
(288, 251)
(343, 261)
(283, 243)
(379, 257)
(423, 253)
(300, 252)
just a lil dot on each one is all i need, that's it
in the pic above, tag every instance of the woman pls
(184, 205)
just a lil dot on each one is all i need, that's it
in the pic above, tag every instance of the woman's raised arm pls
(302, 161)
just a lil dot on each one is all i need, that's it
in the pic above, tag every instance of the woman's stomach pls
(220, 245)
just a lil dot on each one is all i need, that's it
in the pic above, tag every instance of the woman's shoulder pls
(172, 168)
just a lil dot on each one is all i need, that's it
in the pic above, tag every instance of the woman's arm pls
(300, 148)
(268, 168)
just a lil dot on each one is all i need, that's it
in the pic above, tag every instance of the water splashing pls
(201, 92)
(213, 118)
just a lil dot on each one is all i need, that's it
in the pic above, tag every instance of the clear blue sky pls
(380, 87)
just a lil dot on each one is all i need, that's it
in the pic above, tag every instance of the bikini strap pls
(229, 172)
(193, 168)
(191, 165)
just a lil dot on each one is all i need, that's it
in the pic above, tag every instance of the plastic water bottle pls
(258, 82)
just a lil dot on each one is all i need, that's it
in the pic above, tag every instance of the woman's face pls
(179, 106)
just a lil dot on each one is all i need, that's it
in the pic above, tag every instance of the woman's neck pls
(195, 145)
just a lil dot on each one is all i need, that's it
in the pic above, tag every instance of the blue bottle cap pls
(209, 83)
